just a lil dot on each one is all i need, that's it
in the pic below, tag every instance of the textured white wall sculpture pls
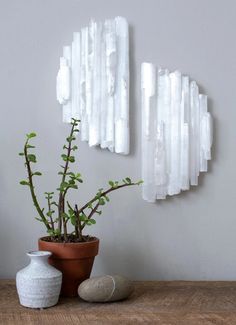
(176, 132)
(93, 84)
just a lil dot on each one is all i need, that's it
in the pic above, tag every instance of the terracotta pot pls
(74, 260)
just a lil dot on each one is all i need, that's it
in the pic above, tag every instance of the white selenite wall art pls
(93, 84)
(176, 132)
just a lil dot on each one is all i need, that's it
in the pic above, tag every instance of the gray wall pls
(190, 236)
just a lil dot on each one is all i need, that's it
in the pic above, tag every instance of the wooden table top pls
(164, 303)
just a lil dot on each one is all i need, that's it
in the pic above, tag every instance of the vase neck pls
(39, 256)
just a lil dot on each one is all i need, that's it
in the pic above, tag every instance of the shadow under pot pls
(74, 260)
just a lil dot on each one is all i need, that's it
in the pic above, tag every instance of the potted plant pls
(73, 252)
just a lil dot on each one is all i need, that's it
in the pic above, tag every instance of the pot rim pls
(87, 249)
(95, 240)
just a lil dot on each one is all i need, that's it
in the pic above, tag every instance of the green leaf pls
(37, 174)
(90, 222)
(74, 148)
(140, 182)
(116, 184)
(73, 186)
(64, 185)
(32, 158)
(128, 180)
(73, 221)
(31, 135)
(24, 183)
(51, 232)
(72, 217)
(21, 153)
(111, 183)
(71, 159)
(57, 232)
(40, 220)
(71, 181)
(80, 180)
(83, 217)
(107, 198)
(70, 139)
(64, 215)
(28, 146)
(49, 194)
(101, 201)
(63, 156)
(75, 120)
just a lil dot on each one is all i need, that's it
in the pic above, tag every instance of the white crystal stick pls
(122, 88)
(206, 135)
(162, 146)
(148, 90)
(209, 128)
(82, 91)
(103, 116)
(94, 124)
(194, 134)
(75, 71)
(111, 62)
(176, 92)
(66, 109)
(184, 146)
(203, 133)
(63, 82)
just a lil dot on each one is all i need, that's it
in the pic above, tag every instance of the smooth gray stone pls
(105, 288)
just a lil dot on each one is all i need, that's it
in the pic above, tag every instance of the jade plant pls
(59, 213)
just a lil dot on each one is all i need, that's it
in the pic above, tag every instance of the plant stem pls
(97, 205)
(34, 198)
(91, 214)
(78, 226)
(103, 194)
(61, 201)
(50, 216)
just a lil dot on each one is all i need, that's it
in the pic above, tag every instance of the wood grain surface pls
(164, 303)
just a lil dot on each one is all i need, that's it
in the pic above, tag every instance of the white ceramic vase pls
(38, 284)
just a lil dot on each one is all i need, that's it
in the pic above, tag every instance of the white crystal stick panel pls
(176, 132)
(93, 84)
